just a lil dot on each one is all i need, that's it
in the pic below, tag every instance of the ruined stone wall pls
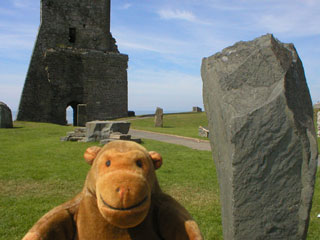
(87, 20)
(75, 61)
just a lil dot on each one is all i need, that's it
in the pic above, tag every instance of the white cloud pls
(138, 46)
(23, 4)
(291, 23)
(146, 41)
(126, 6)
(169, 14)
(177, 14)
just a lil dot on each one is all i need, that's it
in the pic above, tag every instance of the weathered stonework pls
(97, 130)
(81, 114)
(318, 123)
(75, 61)
(5, 116)
(262, 134)
(158, 117)
(103, 131)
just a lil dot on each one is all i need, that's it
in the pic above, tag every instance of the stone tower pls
(75, 62)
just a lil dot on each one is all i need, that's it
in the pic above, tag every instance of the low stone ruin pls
(5, 116)
(101, 131)
(196, 109)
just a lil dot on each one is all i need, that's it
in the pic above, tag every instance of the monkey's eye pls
(139, 163)
(108, 163)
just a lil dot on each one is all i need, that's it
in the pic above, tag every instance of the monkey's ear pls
(91, 153)
(156, 159)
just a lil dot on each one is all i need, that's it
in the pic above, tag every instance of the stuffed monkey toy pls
(121, 200)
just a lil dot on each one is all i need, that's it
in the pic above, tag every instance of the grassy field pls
(185, 124)
(38, 172)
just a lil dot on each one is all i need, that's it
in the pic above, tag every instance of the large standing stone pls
(5, 116)
(262, 133)
(158, 118)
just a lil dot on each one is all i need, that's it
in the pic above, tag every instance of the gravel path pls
(185, 141)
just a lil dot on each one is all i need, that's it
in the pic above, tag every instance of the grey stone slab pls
(94, 129)
(5, 116)
(261, 126)
(120, 126)
(98, 130)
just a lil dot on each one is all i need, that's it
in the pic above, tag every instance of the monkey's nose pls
(122, 191)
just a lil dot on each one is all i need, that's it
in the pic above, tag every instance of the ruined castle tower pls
(75, 62)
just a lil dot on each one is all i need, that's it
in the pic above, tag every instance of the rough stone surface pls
(98, 130)
(81, 115)
(158, 118)
(318, 121)
(261, 130)
(5, 116)
(75, 61)
(103, 131)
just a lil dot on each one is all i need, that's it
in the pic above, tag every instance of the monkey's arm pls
(174, 221)
(58, 223)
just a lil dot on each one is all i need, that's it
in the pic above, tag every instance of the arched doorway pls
(72, 113)
(69, 115)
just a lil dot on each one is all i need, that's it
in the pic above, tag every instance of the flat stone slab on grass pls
(98, 130)
(262, 132)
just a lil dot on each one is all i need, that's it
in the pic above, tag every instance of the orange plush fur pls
(121, 200)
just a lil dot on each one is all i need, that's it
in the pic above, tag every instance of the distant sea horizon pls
(137, 113)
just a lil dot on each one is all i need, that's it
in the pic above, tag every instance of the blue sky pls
(166, 41)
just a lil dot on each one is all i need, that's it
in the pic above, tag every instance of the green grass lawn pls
(185, 124)
(38, 172)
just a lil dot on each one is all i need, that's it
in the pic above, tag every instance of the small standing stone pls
(318, 124)
(158, 118)
(5, 116)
